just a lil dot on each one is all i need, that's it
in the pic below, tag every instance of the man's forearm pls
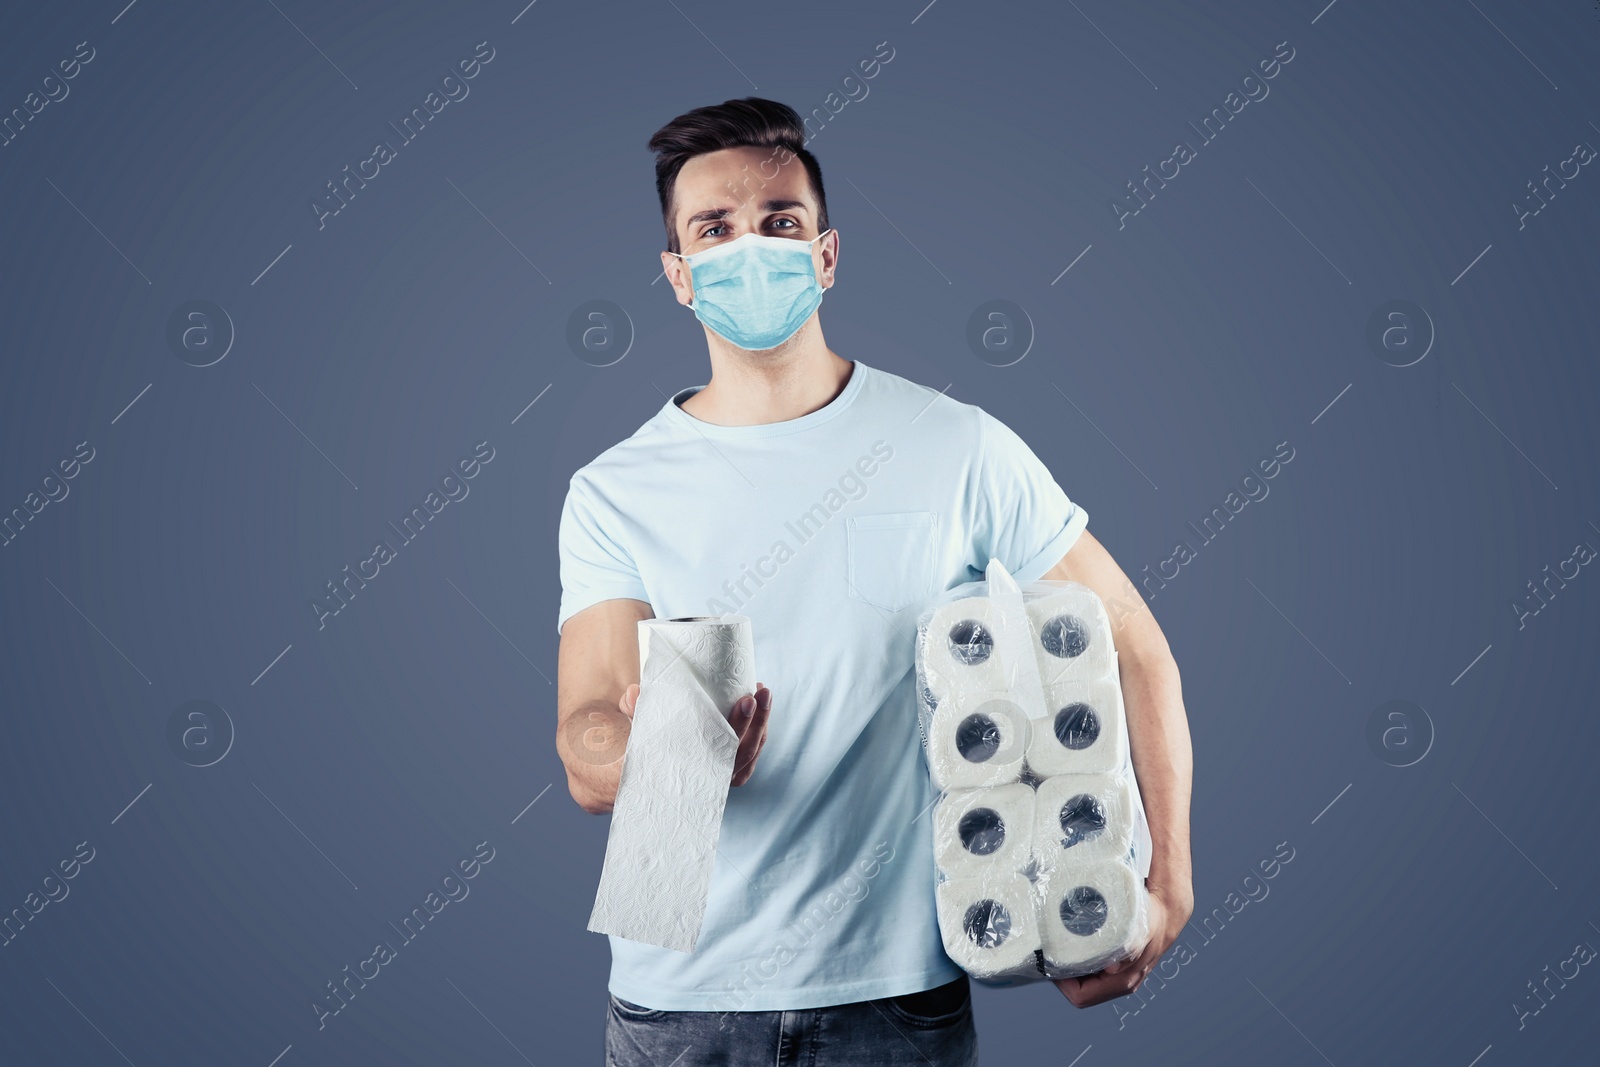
(1152, 699)
(1163, 760)
(591, 739)
(598, 664)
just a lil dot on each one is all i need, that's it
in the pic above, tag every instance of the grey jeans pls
(932, 1028)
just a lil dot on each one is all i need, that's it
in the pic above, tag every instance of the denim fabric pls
(932, 1028)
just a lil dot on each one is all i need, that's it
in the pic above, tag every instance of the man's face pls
(723, 195)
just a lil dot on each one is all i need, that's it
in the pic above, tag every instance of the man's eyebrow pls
(715, 213)
(783, 205)
(709, 215)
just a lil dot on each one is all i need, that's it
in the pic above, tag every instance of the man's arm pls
(597, 685)
(1158, 730)
(597, 662)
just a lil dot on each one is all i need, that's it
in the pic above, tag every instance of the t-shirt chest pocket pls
(891, 557)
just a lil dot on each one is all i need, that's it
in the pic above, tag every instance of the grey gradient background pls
(373, 754)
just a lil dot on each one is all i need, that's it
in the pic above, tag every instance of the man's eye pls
(791, 223)
(712, 230)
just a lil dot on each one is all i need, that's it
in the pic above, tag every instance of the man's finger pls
(744, 710)
(761, 743)
(763, 711)
(758, 728)
(747, 722)
(1100, 987)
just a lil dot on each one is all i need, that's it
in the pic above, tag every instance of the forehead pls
(740, 177)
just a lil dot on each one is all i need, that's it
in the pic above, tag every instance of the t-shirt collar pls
(808, 421)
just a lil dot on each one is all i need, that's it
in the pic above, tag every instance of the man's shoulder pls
(928, 408)
(626, 457)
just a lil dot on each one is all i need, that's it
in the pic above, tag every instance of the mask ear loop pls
(670, 252)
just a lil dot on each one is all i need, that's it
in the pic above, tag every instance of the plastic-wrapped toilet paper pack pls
(975, 644)
(1068, 898)
(990, 926)
(984, 833)
(676, 772)
(1083, 730)
(1092, 915)
(1082, 818)
(977, 739)
(1072, 634)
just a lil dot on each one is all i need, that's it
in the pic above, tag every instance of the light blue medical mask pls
(755, 291)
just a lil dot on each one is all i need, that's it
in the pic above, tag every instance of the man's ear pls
(677, 273)
(829, 249)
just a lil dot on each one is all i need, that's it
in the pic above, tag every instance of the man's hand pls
(1169, 910)
(748, 719)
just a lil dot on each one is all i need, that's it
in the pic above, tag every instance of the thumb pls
(630, 700)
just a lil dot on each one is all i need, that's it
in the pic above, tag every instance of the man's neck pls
(753, 389)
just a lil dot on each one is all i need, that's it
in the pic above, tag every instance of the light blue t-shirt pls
(831, 532)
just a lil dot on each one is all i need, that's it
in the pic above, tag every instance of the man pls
(830, 502)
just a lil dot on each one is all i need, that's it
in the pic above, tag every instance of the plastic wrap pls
(1041, 845)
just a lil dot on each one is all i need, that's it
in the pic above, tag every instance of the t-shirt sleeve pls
(595, 564)
(1023, 518)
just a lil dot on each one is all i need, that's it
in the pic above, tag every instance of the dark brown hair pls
(752, 121)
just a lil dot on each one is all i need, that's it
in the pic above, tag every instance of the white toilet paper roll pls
(675, 776)
(1092, 914)
(1072, 635)
(976, 739)
(714, 652)
(984, 832)
(990, 925)
(1083, 818)
(1083, 731)
(971, 645)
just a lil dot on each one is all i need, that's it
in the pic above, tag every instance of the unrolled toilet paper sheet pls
(675, 776)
